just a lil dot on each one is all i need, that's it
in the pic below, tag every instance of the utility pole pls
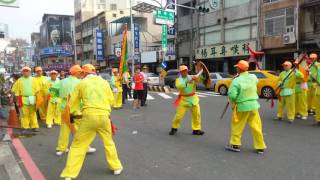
(192, 39)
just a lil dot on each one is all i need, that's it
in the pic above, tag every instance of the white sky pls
(27, 19)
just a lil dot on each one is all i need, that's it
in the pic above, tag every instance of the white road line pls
(207, 93)
(201, 95)
(149, 97)
(164, 96)
(175, 93)
(130, 99)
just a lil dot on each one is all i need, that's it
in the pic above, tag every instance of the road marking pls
(25, 157)
(201, 95)
(207, 94)
(175, 93)
(164, 96)
(149, 97)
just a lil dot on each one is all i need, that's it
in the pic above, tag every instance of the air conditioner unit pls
(289, 38)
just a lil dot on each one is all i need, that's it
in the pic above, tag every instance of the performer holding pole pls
(187, 100)
(311, 89)
(243, 98)
(315, 75)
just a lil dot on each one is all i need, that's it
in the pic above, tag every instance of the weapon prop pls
(227, 105)
(278, 89)
(203, 71)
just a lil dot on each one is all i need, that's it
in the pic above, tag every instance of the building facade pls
(56, 40)
(219, 37)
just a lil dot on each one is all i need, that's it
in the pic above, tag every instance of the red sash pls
(177, 101)
(19, 101)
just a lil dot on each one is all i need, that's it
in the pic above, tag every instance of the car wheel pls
(267, 92)
(223, 90)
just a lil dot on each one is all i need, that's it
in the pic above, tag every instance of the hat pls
(287, 63)
(88, 68)
(243, 65)
(313, 56)
(38, 68)
(145, 67)
(53, 72)
(26, 68)
(183, 68)
(75, 69)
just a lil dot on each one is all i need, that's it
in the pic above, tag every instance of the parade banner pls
(226, 50)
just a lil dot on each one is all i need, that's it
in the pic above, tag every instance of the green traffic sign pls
(164, 37)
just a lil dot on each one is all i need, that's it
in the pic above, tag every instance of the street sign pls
(164, 65)
(9, 3)
(164, 17)
(136, 37)
(164, 37)
(99, 45)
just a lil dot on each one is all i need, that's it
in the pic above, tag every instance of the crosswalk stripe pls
(164, 96)
(149, 97)
(201, 95)
(175, 93)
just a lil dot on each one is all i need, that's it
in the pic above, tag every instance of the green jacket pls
(243, 92)
(316, 75)
(289, 86)
(67, 86)
(186, 88)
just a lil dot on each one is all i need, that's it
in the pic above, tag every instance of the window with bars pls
(276, 21)
(269, 1)
(113, 7)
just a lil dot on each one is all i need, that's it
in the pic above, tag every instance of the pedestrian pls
(66, 88)
(62, 75)
(187, 100)
(138, 88)
(287, 96)
(301, 104)
(95, 96)
(42, 84)
(145, 86)
(311, 89)
(25, 89)
(315, 74)
(125, 86)
(54, 101)
(243, 98)
(116, 87)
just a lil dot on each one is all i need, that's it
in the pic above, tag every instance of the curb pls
(165, 89)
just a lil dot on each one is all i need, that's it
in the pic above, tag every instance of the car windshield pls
(225, 75)
(152, 75)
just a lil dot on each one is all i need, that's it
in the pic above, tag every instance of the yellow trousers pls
(317, 99)
(29, 117)
(254, 121)
(287, 101)
(53, 114)
(64, 135)
(311, 98)
(117, 100)
(301, 105)
(195, 117)
(90, 125)
(43, 111)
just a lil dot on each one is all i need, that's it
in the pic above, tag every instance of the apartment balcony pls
(87, 47)
(86, 33)
(310, 3)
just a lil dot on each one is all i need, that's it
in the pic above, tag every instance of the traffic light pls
(203, 9)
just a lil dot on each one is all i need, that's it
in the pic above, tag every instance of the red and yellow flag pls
(123, 67)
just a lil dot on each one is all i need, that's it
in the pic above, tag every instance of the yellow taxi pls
(268, 82)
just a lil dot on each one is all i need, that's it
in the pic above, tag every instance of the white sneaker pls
(49, 126)
(304, 118)
(67, 178)
(91, 150)
(117, 172)
(59, 153)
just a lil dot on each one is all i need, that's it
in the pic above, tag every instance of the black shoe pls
(290, 121)
(198, 132)
(173, 131)
(278, 119)
(35, 130)
(233, 148)
(316, 124)
(260, 151)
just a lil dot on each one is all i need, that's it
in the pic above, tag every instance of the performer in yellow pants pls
(116, 87)
(26, 89)
(244, 100)
(311, 84)
(287, 93)
(54, 102)
(42, 83)
(315, 74)
(96, 98)
(187, 100)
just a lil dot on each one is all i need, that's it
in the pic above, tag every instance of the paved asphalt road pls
(151, 154)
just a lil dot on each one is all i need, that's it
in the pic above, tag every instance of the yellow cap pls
(53, 72)
(26, 68)
(287, 63)
(75, 69)
(183, 68)
(243, 65)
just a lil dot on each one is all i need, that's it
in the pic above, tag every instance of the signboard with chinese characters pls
(9, 3)
(136, 37)
(99, 45)
(164, 37)
(226, 50)
(164, 17)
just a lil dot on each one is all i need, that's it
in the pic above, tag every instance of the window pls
(269, 1)
(113, 7)
(259, 75)
(101, 6)
(213, 76)
(276, 21)
(121, 12)
(225, 75)
(114, 15)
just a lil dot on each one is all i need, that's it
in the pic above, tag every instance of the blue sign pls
(171, 31)
(99, 45)
(164, 65)
(55, 51)
(136, 37)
